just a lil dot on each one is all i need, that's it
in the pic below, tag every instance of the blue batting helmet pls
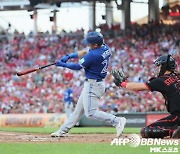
(93, 38)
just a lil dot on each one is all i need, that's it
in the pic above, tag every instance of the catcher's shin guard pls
(176, 133)
(154, 132)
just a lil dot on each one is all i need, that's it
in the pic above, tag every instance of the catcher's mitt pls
(119, 76)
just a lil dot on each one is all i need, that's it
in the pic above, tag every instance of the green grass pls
(72, 148)
(75, 130)
(54, 148)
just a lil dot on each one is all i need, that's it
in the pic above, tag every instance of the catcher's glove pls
(119, 76)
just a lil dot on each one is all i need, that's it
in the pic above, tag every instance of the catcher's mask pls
(166, 62)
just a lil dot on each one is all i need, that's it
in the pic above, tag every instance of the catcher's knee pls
(146, 132)
(142, 132)
(154, 132)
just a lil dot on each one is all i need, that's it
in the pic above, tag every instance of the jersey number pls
(105, 63)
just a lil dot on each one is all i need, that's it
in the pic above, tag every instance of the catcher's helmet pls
(93, 38)
(167, 62)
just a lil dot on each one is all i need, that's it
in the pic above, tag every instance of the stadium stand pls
(42, 92)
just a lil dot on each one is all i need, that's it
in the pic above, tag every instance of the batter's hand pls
(119, 76)
(60, 63)
(65, 58)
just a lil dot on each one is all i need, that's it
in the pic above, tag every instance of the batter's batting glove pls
(69, 56)
(119, 76)
(60, 63)
(65, 58)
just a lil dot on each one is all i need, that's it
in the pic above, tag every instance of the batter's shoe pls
(176, 133)
(59, 133)
(120, 126)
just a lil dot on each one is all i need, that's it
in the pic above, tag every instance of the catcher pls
(168, 84)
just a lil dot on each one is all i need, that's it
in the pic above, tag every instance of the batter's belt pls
(95, 80)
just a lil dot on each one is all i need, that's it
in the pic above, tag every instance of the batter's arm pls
(77, 54)
(81, 53)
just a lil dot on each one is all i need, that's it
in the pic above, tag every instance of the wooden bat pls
(33, 69)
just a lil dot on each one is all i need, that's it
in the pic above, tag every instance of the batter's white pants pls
(88, 104)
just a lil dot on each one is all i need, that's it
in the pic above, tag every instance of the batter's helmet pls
(167, 62)
(93, 38)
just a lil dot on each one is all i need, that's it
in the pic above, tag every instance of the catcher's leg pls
(161, 128)
(176, 133)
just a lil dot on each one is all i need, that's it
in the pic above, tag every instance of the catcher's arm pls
(136, 86)
(121, 80)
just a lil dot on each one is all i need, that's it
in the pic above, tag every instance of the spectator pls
(42, 92)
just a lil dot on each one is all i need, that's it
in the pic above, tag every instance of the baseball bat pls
(33, 69)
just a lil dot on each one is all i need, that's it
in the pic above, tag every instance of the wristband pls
(74, 55)
(124, 84)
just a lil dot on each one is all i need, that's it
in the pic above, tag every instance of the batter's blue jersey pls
(68, 96)
(96, 61)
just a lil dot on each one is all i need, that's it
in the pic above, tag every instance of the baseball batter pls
(95, 63)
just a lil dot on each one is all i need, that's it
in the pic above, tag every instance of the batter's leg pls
(73, 119)
(92, 93)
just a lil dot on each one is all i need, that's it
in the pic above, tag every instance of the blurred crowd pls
(42, 92)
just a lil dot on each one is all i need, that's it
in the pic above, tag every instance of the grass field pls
(75, 130)
(52, 148)
(70, 148)
(26, 148)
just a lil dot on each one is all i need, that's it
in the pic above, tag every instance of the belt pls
(97, 80)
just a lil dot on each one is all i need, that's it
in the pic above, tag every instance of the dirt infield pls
(12, 137)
